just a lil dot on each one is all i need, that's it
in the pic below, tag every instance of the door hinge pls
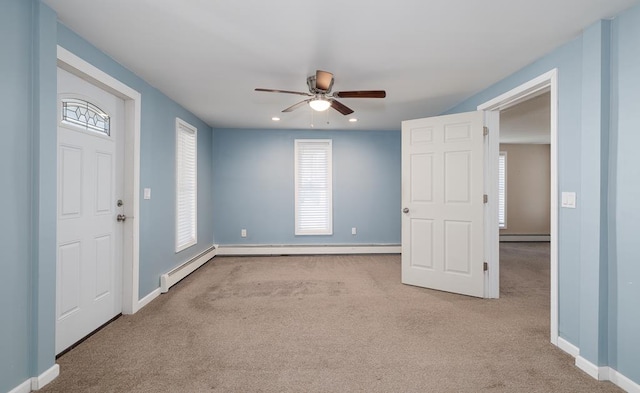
(485, 131)
(485, 266)
(485, 198)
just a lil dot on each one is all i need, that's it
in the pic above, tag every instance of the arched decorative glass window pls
(86, 115)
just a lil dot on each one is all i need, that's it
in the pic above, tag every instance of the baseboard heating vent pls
(308, 249)
(525, 238)
(169, 279)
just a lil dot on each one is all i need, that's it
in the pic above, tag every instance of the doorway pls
(547, 82)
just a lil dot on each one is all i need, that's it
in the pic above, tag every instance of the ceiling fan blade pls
(284, 91)
(361, 94)
(340, 107)
(324, 80)
(296, 106)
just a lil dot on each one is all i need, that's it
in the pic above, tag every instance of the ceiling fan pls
(321, 99)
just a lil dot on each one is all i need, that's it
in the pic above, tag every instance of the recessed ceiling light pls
(275, 118)
(353, 120)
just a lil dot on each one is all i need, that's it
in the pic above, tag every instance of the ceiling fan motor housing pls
(313, 89)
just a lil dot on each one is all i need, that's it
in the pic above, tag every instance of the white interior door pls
(90, 183)
(442, 200)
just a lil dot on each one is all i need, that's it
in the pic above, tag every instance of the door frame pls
(541, 84)
(132, 113)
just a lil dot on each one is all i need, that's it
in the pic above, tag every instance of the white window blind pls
(313, 187)
(502, 190)
(186, 185)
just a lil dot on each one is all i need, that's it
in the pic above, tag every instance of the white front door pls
(442, 201)
(90, 183)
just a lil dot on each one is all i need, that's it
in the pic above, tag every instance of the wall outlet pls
(354, 231)
(147, 193)
(243, 233)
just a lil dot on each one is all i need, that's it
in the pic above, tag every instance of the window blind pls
(502, 190)
(186, 185)
(313, 187)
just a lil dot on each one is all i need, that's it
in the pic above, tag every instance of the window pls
(186, 185)
(502, 190)
(85, 115)
(313, 188)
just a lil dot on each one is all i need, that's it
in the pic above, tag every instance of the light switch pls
(147, 193)
(569, 200)
(243, 233)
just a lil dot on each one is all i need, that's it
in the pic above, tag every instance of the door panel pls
(442, 188)
(90, 181)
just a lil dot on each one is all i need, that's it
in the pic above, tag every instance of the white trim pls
(176, 274)
(148, 298)
(308, 249)
(604, 373)
(24, 387)
(132, 101)
(545, 82)
(491, 226)
(568, 347)
(525, 91)
(36, 383)
(41, 380)
(525, 238)
(624, 382)
(599, 373)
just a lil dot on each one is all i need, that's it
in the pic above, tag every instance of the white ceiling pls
(427, 54)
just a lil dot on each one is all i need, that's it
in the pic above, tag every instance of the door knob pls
(121, 218)
(405, 210)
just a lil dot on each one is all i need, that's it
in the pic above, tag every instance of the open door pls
(443, 203)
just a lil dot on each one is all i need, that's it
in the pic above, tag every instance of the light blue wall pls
(598, 139)
(254, 186)
(157, 168)
(16, 36)
(27, 166)
(624, 266)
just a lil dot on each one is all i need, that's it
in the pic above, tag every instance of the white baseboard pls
(600, 373)
(147, 299)
(607, 374)
(525, 238)
(308, 249)
(591, 369)
(37, 383)
(41, 380)
(624, 382)
(24, 387)
(568, 347)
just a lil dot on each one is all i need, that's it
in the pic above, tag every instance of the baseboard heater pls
(169, 279)
(525, 238)
(307, 249)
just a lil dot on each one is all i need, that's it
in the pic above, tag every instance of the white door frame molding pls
(132, 107)
(541, 84)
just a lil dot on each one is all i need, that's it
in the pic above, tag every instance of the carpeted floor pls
(331, 324)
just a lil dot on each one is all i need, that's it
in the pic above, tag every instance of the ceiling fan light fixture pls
(319, 104)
